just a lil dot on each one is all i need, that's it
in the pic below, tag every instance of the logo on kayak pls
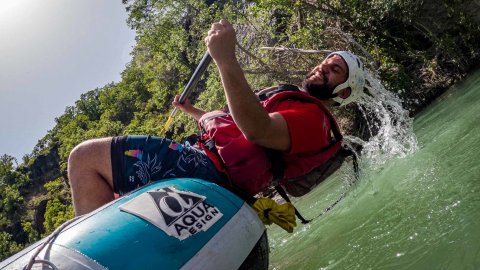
(178, 213)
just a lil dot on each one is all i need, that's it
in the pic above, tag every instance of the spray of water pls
(388, 123)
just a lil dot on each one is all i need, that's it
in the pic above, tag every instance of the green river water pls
(413, 208)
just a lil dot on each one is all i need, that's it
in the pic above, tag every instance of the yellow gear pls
(270, 212)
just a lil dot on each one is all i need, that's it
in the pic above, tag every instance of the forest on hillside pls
(418, 48)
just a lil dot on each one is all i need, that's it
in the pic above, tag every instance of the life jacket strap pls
(284, 195)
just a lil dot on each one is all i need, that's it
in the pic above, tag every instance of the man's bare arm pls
(258, 126)
(187, 107)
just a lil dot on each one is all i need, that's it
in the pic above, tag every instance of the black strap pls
(346, 152)
(284, 195)
(278, 163)
(210, 145)
(356, 169)
(280, 88)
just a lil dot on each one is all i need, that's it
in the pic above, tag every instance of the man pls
(98, 168)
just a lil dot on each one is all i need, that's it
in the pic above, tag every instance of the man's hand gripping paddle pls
(192, 83)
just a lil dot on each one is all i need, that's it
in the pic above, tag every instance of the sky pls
(52, 51)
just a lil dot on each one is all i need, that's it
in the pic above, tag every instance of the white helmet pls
(355, 80)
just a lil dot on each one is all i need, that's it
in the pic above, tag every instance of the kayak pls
(178, 223)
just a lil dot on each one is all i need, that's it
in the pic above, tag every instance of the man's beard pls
(320, 91)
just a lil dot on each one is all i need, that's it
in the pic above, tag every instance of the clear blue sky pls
(51, 51)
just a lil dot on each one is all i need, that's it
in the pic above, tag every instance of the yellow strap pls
(167, 125)
(270, 212)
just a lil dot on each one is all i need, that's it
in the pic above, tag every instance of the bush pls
(59, 207)
(8, 247)
(56, 214)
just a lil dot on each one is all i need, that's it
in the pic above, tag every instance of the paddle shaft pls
(192, 83)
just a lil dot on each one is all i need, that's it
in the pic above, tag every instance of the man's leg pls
(90, 175)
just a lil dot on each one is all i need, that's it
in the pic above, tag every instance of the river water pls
(419, 209)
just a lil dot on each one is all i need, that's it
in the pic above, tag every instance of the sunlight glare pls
(12, 11)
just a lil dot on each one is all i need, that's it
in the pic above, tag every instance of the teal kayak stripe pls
(119, 240)
(227, 195)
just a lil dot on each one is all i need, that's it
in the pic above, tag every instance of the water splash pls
(388, 122)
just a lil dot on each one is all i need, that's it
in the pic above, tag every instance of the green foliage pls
(33, 235)
(11, 180)
(58, 210)
(56, 187)
(7, 164)
(11, 201)
(56, 214)
(7, 246)
(416, 47)
(89, 105)
(10, 175)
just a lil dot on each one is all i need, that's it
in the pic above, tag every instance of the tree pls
(7, 246)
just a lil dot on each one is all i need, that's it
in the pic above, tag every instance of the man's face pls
(321, 81)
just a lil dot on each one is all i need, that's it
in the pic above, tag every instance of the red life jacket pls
(248, 165)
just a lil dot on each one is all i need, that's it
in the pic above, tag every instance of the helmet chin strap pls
(337, 90)
(340, 87)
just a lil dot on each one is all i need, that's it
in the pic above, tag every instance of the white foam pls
(387, 121)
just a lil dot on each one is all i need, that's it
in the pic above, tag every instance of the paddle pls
(192, 83)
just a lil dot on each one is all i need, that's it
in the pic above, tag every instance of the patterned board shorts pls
(137, 160)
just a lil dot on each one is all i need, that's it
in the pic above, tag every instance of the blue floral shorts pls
(137, 160)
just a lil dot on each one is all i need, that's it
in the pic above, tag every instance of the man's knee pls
(90, 153)
(81, 151)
